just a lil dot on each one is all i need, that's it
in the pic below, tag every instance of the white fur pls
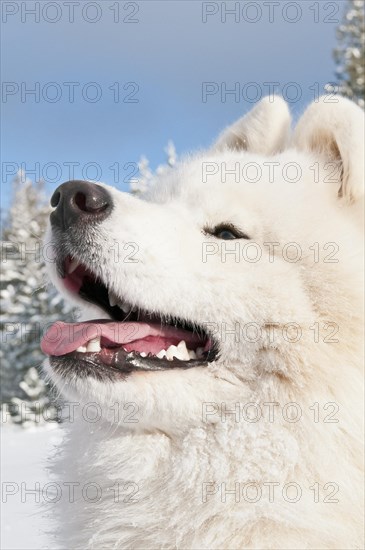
(171, 451)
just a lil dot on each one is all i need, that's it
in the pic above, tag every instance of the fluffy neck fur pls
(157, 487)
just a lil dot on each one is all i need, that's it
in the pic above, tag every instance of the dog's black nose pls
(79, 202)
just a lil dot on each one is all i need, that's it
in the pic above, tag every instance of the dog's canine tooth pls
(73, 265)
(113, 299)
(94, 344)
(192, 354)
(124, 307)
(81, 349)
(161, 354)
(183, 351)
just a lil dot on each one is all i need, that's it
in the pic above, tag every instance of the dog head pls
(217, 277)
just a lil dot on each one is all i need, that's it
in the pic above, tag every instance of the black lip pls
(118, 365)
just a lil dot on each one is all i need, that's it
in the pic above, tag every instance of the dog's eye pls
(226, 232)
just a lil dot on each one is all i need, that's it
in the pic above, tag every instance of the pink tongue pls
(62, 338)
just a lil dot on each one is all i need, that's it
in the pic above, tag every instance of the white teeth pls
(180, 352)
(143, 354)
(124, 307)
(183, 351)
(93, 345)
(171, 352)
(73, 265)
(81, 349)
(182, 345)
(113, 299)
(199, 352)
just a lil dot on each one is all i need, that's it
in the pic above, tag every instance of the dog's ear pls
(335, 132)
(264, 130)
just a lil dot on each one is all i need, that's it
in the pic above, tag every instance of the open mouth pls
(129, 339)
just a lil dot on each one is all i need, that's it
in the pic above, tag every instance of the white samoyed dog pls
(214, 381)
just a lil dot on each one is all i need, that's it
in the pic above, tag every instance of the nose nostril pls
(90, 202)
(55, 199)
(80, 201)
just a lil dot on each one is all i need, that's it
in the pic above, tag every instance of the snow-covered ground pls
(24, 454)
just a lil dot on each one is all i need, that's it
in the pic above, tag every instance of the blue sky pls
(167, 54)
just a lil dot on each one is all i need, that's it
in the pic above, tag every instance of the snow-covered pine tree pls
(28, 305)
(146, 177)
(350, 52)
